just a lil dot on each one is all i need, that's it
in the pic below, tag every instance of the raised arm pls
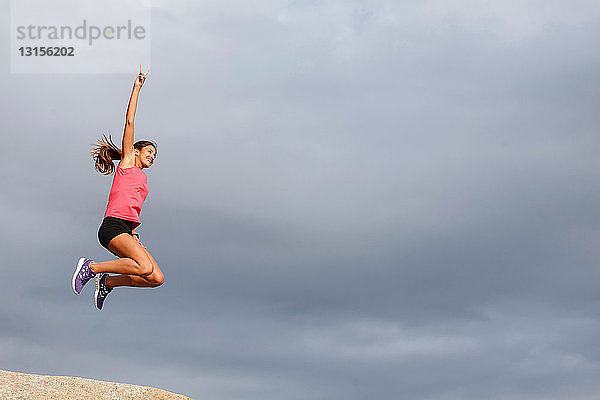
(128, 157)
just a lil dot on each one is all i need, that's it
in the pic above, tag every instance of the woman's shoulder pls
(126, 162)
(128, 169)
(125, 165)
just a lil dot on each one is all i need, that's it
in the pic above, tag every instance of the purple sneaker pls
(83, 273)
(101, 290)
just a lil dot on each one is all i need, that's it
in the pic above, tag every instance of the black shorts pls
(112, 227)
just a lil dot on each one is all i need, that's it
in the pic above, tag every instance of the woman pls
(136, 267)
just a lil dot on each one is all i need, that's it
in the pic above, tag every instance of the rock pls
(18, 386)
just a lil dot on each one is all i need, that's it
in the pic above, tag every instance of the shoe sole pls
(97, 283)
(79, 265)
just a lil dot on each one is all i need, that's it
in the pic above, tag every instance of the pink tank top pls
(127, 194)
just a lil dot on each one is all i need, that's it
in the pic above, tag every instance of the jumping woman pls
(135, 266)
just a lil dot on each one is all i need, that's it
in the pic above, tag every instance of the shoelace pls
(86, 272)
(104, 290)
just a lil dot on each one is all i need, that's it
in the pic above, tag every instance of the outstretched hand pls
(141, 78)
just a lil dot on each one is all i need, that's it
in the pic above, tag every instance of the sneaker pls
(83, 273)
(101, 290)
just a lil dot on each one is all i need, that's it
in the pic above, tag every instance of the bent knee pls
(157, 280)
(145, 269)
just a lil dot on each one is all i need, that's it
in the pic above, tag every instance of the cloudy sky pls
(352, 200)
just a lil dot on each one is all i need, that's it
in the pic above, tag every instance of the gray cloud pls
(350, 201)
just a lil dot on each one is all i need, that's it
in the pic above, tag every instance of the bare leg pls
(137, 267)
(155, 279)
(117, 266)
(128, 280)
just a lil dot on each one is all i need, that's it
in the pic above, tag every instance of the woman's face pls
(147, 154)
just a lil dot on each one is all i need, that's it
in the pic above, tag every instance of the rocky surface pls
(18, 386)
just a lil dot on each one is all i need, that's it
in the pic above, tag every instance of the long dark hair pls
(104, 152)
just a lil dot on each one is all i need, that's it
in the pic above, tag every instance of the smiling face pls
(146, 155)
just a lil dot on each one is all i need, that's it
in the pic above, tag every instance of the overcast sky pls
(352, 200)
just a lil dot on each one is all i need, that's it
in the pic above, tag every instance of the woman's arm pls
(128, 157)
